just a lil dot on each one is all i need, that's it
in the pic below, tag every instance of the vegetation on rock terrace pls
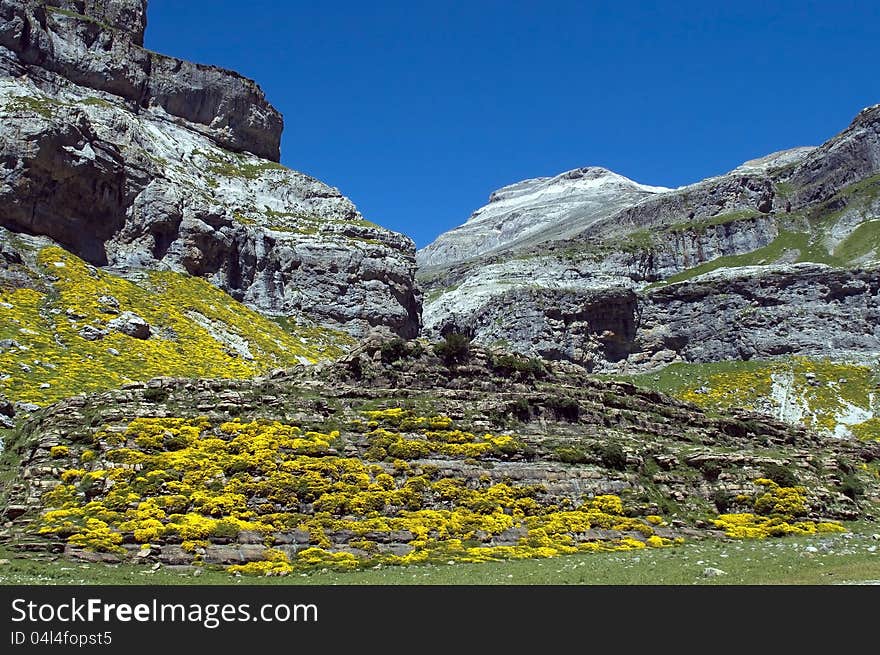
(194, 482)
(834, 397)
(187, 481)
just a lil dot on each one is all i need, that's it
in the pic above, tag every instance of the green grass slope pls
(834, 397)
(851, 557)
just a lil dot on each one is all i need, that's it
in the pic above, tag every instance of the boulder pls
(91, 333)
(131, 324)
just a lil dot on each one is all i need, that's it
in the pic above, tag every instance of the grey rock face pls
(108, 304)
(760, 312)
(128, 16)
(63, 45)
(136, 160)
(594, 327)
(63, 181)
(541, 304)
(233, 108)
(678, 251)
(56, 47)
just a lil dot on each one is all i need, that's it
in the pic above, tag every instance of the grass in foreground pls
(852, 557)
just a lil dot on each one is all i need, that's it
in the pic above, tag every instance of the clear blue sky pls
(418, 110)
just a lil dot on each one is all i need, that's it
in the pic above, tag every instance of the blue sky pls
(417, 111)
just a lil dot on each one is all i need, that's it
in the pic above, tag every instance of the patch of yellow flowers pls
(178, 306)
(778, 512)
(189, 481)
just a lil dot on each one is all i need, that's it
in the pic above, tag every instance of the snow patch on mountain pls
(537, 210)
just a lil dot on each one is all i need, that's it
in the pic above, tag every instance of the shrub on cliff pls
(507, 365)
(455, 349)
(393, 350)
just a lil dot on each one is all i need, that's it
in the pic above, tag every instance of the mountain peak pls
(536, 210)
(584, 179)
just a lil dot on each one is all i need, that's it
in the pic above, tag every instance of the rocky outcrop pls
(60, 178)
(73, 44)
(761, 312)
(132, 159)
(576, 437)
(129, 16)
(752, 313)
(514, 301)
(582, 325)
(675, 251)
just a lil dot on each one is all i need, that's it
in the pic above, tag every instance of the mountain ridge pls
(780, 256)
(780, 160)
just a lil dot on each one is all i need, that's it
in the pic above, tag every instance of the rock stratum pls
(396, 454)
(132, 160)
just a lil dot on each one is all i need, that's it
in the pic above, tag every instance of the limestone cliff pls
(134, 160)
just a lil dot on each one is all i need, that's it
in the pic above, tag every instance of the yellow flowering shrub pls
(190, 480)
(752, 526)
(98, 536)
(608, 504)
(274, 562)
(72, 474)
(786, 501)
(317, 557)
(417, 437)
(176, 305)
(776, 512)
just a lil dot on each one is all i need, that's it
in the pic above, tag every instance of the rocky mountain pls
(776, 258)
(537, 210)
(132, 160)
(397, 454)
